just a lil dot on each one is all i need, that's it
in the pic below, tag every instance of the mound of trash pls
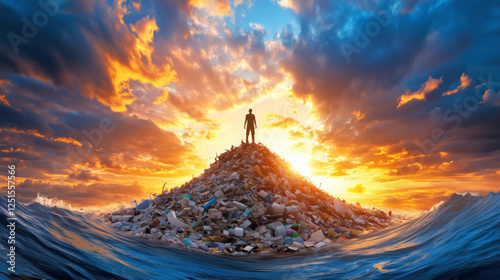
(248, 201)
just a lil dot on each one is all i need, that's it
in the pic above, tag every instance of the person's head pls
(250, 110)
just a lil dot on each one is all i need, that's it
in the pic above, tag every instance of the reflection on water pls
(459, 239)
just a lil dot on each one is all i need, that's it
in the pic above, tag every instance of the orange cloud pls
(464, 82)
(3, 88)
(296, 135)
(29, 132)
(492, 97)
(274, 120)
(162, 98)
(140, 67)
(414, 200)
(426, 88)
(35, 133)
(136, 5)
(358, 115)
(68, 140)
(357, 189)
(213, 7)
(4, 100)
(295, 5)
(238, 2)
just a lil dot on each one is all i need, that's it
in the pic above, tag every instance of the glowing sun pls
(299, 162)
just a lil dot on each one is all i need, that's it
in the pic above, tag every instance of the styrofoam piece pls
(278, 208)
(308, 244)
(321, 244)
(291, 209)
(239, 231)
(248, 248)
(317, 236)
(359, 221)
(293, 248)
(239, 205)
(172, 219)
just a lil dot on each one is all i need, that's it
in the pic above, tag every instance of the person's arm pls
(255, 122)
(245, 125)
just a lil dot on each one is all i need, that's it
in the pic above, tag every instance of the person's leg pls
(248, 132)
(253, 135)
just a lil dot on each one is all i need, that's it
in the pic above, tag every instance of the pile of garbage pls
(249, 201)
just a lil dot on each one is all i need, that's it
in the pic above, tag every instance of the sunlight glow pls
(300, 163)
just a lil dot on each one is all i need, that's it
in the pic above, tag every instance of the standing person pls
(250, 125)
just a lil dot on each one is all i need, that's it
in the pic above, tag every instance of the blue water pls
(458, 240)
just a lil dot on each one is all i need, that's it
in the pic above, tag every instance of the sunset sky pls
(395, 104)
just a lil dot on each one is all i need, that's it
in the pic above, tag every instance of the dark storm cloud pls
(420, 40)
(59, 49)
(22, 119)
(84, 175)
(44, 141)
(79, 45)
(74, 72)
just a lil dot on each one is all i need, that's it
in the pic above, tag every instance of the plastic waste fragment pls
(317, 236)
(209, 203)
(239, 231)
(172, 219)
(248, 248)
(278, 208)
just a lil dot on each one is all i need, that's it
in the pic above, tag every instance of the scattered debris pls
(250, 201)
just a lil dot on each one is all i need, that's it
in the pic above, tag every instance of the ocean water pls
(458, 240)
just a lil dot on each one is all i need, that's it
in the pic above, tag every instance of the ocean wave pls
(457, 239)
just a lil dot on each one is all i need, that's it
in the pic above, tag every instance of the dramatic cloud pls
(274, 120)
(214, 7)
(465, 81)
(81, 47)
(426, 88)
(85, 175)
(400, 96)
(367, 99)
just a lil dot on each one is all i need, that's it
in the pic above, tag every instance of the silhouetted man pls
(250, 125)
